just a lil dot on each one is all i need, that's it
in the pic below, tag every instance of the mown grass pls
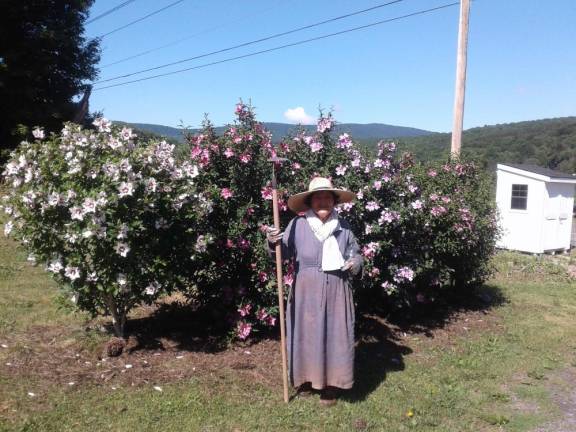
(479, 379)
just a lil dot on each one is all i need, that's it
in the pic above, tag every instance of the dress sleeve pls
(353, 252)
(288, 241)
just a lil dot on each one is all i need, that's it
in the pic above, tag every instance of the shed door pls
(557, 216)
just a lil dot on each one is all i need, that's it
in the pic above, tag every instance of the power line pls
(277, 35)
(283, 46)
(140, 54)
(141, 19)
(108, 12)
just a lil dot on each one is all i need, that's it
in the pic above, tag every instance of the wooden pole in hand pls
(460, 79)
(280, 280)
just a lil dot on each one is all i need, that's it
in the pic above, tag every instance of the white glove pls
(348, 265)
(273, 235)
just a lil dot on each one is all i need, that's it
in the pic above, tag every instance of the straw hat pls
(297, 202)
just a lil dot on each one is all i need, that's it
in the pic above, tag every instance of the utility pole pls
(460, 79)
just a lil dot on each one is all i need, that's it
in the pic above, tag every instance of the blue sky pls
(521, 62)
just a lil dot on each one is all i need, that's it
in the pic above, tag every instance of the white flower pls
(121, 279)
(31, 258)
(122, 249)
(102, 124)
(190, 170)
(152, 288)
(77, 213)
(87, 234)
(38, 133)
(8, 210)
(123, 233)
(125, 165)
(89, 206)
(53, 199)
(11, 169)
(126, 133)
(72, 273)
(70, 195)
(8, 228)
(151, 185)
(71, 238)
(101, 232)
(92, 277)
(55, 266)
(125, 188)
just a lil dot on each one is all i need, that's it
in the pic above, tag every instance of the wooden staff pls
(279, 277)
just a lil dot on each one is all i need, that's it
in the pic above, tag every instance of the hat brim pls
(297, 202)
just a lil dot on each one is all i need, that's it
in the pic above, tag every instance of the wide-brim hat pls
(297, 202)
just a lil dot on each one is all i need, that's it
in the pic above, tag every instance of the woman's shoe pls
(329, 396)
(304, 390)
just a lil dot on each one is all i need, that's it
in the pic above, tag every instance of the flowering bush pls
(121, 223)
(115, 221)
(421, 226)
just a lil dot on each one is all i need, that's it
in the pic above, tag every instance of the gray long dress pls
(320, 311)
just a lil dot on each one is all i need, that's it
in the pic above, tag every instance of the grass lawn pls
(505, 367)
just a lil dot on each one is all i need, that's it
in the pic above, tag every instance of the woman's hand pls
(273, 235)
(348, 265)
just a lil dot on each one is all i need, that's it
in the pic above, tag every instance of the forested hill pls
(369, 131)
(549, 143)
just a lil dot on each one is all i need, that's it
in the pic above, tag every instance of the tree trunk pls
(118, 315)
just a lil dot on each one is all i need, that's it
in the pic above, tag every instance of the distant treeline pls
(549, 143)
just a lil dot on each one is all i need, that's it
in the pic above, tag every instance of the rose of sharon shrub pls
(115, 221)
(421, 226)
(238, 282)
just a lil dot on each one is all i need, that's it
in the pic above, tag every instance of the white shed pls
(535, 206)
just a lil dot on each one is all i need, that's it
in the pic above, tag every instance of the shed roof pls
(553, 175)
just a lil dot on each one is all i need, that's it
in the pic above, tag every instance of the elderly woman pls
(320, 311)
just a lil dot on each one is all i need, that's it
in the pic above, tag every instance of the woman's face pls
(322, 203)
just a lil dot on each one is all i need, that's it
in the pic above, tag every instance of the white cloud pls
(298, 115)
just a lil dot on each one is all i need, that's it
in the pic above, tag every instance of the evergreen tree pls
(45, 61)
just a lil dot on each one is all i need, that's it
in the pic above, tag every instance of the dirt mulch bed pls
(165, 347)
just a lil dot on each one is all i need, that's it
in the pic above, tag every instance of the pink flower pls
(446, 199)
(434, 197)
(324, 124)
(372, 206)
(261, 314)
(344, 141)
(416, 205)
(412, 188)
(316, 146)
(374, 272)
(432, 173)
(226, 193)
(370, 250)
(270, 320)
(266, 192)
(404, 274)
(377, 185)
(341, 169)
(438, 210)
(245, 158)
(296, 166)
(229, 152)
(243, 244)
(245, 310)
(243, 330)
(262, 276)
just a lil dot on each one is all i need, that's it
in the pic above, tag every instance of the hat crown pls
(319, 183)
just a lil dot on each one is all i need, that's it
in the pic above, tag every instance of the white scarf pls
(331, 256)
